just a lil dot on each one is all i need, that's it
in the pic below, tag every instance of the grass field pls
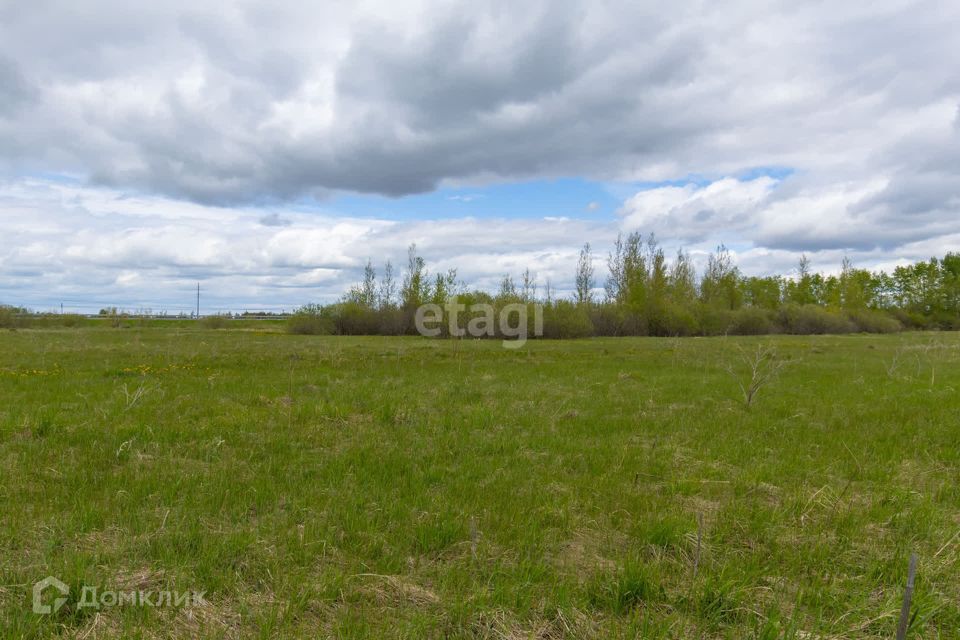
(405, 487)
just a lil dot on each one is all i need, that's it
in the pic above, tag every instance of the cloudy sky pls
(267, 149)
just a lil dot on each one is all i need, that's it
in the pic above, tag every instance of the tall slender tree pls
(388, 287)
(528, 286)
(416, 285)
(584, 277)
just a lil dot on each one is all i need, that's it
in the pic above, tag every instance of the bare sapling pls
(759, 369)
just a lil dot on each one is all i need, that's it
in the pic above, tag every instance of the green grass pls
(405, 487)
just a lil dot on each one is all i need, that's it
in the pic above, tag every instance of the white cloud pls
(693, 214)
(159, 111)
(93, 247)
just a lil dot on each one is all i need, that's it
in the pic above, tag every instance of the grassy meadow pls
(381, 487)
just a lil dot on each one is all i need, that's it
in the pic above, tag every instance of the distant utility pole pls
(198, 301)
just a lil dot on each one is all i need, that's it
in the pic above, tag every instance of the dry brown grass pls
(392, 591)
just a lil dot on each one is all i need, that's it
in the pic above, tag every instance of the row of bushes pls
(703, 320)
(565, 319)
(20, 319)
(12, 318)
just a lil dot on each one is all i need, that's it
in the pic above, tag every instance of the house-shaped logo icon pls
(40, 587)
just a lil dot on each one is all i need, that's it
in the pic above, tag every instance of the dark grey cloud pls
(488, 88)
(453, 73)
(458, 100)
(230, 104)
(274, 220)
(15, 91)
(921, 196)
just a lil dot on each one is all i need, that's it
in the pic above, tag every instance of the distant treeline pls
(644, 293)
(21, 318)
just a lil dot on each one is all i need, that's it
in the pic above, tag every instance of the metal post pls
(907, 597)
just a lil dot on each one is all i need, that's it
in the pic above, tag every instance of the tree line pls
(642, 292)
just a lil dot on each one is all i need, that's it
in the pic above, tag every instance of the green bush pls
(513, 319)
(214, 322)
(392, 322)
(945, 321)
(564, 319)
(810, 319)
(752, 321)
(47, 320)
(679, 320)
(310, 320)
(634, 324)
(874, 322)
(353, 319)
(951, 323)
(911, 319)
(8, 318)
(610, 320)
(13, 318)
(714, 321)
(72, 320)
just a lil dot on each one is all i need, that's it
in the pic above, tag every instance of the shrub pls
(72, 320)
(874, 322)
(608, 320)
(755, 371)
(8, 318)
(310, 320)
(752, 321)
(944, 320)
(352, 319)
(634, 324)
(714, 321)
(46, 320)
(391, 322)
(613, 320)
(951, 323)
(513, 320)
(810, 319)
(911, 320)
(114, 316)
(19, 318)
(679, 320)
(564, 319)
(214, 322)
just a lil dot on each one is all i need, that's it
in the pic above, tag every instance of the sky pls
(269, 149)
